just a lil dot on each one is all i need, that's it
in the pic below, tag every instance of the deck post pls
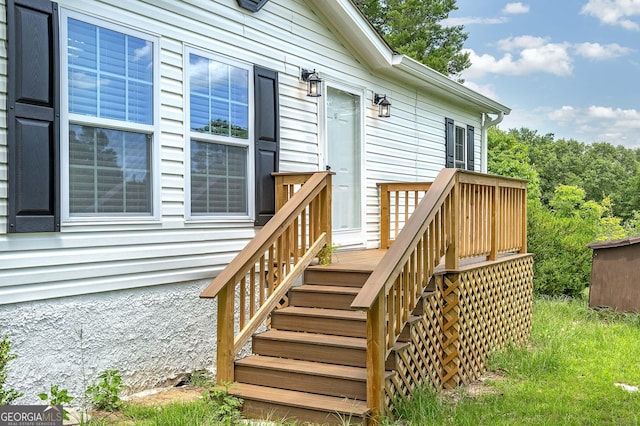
(385, 204)
(325, 220)
(495, 221)
(452, 255)
(523, 247)
(376, 354)
(224, 341)
(281, 191)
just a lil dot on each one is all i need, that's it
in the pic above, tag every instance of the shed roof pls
(614, 243)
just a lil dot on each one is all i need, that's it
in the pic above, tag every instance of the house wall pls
(98, 273)
(151, 335)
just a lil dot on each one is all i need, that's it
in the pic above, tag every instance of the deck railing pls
(398, 200)
(462, 215)
(262, 273)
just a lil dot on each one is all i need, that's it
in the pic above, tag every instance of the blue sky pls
(567, 67)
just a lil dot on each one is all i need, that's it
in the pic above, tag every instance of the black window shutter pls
(267, 141)
(450, 140)
(33, 116)
(471, 165)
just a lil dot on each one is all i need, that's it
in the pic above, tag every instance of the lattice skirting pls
(470, 313)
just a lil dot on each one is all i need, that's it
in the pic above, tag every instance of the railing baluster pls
(271, 267)
(243, 301)
(523, 235)
(396, 215)
(252, 292)
(262, 279)
(406, 206)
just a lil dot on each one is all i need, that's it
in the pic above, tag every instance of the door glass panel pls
(343, 143)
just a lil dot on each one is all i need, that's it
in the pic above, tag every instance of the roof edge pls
(349, 21)
(449, 86)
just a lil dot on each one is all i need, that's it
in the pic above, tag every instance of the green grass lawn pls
(565, 376)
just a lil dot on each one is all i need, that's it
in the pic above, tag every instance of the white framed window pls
(219, 94)
(109, 126)
(461, 148)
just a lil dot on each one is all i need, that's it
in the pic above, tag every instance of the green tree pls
(562, 221)
(507, 156)
(413, 28)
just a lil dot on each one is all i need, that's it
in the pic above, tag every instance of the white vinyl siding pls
(91, 256)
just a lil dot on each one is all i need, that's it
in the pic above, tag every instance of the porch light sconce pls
(314, 83)
(384, 106)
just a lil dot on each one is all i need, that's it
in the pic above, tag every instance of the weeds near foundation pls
(105, 393)
(7, 395)
(200, 378)
(57, 396)
(226, 407)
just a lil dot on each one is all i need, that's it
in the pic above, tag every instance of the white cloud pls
(143, 52)
(551, 58)
(515, 8)
(597, 124)
(597, 51)
(563, 114)
(531, 54)
(470, 20)
(614, 12)
(486, 89)
(522, 42)
(630, 117)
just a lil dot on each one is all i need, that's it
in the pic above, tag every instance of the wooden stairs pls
(310, 365)
(320, 362)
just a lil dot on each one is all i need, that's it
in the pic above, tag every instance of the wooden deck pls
(367, 259)
(353, 260)
(451, 281)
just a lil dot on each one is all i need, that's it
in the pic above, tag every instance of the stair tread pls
(314, 338)
(318, 288)
(306, 367)
(323, 313)
(299, 399)
(320, 339)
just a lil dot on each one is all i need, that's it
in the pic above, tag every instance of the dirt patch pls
(475, 389)
(164, 396)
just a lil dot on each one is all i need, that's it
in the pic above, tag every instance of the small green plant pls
(105, 393)
(325, 253)
(226, 407)
(7, 395)
(200, 378)
(57, 396)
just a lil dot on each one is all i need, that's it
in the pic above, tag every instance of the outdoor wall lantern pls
(384, 106)
(314, 83)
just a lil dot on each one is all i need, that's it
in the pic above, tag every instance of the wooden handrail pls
(463, 214)
(268, 266)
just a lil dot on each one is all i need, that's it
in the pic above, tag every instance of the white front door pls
(344, 157)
